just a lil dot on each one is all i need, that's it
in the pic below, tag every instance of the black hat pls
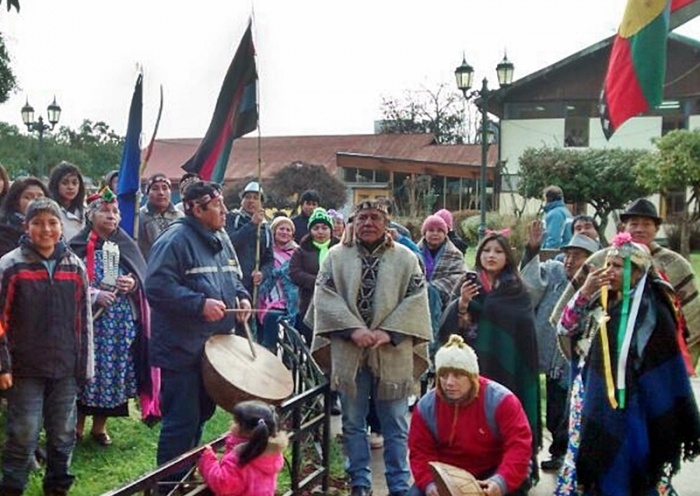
(641, 208)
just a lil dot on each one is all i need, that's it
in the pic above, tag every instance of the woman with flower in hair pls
(491, 309)
(116, 270)
(633, 414)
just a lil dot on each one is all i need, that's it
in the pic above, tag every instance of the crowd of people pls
(614, 330)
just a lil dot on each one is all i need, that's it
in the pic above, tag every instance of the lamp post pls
(465, 75)
(53, 113)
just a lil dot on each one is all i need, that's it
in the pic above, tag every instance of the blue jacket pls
(556, 220)
(186, 265)
(244, 234)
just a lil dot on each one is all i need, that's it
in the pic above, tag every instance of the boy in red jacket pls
(45, 349)
(472, 423)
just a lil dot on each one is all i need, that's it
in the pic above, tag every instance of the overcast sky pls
(324, 65)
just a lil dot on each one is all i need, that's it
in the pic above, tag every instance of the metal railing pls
(305, 415)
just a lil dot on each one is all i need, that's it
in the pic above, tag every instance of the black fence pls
(305, 415)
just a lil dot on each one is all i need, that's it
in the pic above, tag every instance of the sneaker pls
(551, 465)
(376, 441)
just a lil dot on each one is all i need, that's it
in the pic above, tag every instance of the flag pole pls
(144, 164)
(259, 230)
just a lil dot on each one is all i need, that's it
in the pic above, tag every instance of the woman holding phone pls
(492, 311)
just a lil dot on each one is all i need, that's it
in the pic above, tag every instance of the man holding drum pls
(193, 278)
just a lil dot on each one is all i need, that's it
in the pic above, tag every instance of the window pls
(674, 203)
(576, 123)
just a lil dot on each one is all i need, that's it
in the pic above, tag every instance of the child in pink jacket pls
(253, 455)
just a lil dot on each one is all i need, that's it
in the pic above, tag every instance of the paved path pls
(687, 483)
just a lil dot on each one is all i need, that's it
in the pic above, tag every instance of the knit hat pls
(456, 354)
(320, 215)
(42, 204)
(278, 221)
(335, 215)
(433, 222)
(446, 215)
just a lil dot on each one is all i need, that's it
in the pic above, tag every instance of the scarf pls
(322, 249)
(443, 268)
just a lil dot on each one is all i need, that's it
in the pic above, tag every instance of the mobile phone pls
(472, 277)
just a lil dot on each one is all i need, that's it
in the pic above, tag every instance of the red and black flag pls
(235, 114)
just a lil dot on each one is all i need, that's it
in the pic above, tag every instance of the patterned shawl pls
(627, 451)
(447, 268)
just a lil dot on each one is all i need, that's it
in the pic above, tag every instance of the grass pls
(133, 453)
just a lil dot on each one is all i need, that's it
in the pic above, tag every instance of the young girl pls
(253, 455)
(67, 187)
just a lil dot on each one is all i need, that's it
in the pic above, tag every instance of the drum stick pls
(245, 326)
(250, 339)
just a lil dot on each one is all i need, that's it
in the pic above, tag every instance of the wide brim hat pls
(582, 242)
(641, 208)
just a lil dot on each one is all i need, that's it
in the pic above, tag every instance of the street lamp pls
(465, 75)
(53, 113)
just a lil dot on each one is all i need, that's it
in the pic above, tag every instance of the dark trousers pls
(30, 401)
(186, 407)
(557, 416)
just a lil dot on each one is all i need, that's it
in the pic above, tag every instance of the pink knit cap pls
(445, 215)
(433, 222)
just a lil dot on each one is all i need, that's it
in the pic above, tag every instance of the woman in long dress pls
(115, 269)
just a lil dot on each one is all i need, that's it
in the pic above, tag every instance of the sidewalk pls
(687, 483)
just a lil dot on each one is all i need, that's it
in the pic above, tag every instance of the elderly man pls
(470, 422)
(158, 212)
(243, 226)
(192, 279)
(372, 326)
(546, 281)
(641, 220)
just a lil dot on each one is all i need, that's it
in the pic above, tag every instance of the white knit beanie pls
(456, 354)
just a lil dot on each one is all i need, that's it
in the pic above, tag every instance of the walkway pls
(687, 483)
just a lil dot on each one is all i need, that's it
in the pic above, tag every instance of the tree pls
(93, 147)
(283, 189)
(605, 179)
(439, 112)
(98, 148)
(675, 165)
(8, 82)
